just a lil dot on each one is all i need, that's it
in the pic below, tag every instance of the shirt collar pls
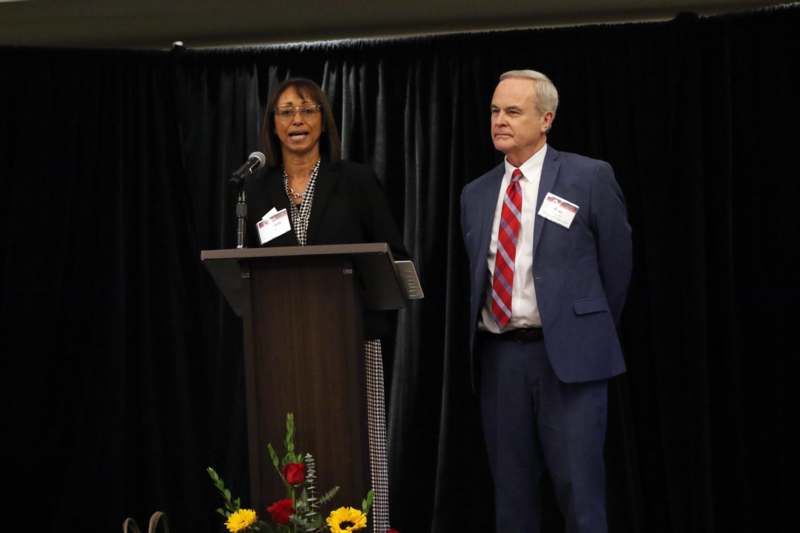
(529, 167)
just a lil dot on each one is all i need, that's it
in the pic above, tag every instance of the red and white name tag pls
(273, 224)
(558, 210)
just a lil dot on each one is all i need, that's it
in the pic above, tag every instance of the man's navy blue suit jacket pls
(581, 274)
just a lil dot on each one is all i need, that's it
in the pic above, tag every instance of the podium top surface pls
(381, 285)
(297, 251)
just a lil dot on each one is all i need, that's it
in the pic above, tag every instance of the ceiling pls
(198, 23)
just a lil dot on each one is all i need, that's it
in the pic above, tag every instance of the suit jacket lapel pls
(276, 194)
(276, 197)
(546, 183)
(326, 183)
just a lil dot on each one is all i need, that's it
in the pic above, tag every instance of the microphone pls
(254, 161)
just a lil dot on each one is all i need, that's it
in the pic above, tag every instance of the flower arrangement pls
(300, 510)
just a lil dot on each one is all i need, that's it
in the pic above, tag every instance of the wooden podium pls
(302, 310)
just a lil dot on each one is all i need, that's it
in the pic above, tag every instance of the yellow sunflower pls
(346, 519)
(240, 520)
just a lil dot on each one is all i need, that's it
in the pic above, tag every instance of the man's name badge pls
(273, 224)
(558, 210)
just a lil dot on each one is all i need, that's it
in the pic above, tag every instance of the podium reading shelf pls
(301, 309)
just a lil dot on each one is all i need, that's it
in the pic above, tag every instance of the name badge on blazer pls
(273, 224)
(558, 210)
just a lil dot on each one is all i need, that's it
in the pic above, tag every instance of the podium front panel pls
(304, 354)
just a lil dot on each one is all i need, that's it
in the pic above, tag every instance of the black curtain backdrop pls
(122, 372)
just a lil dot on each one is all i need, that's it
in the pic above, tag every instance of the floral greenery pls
(299, 512)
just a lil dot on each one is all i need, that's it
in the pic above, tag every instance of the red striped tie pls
(507, 234)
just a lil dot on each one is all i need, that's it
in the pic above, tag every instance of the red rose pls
(281, 510)
(294, 473)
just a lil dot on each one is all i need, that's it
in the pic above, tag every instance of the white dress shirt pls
(524, 310)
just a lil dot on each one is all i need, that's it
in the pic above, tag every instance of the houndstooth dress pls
(373, 359)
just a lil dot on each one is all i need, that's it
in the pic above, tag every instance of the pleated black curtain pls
(122, 366)
(103, 370)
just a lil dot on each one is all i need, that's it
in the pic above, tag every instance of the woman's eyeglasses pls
(306, 111)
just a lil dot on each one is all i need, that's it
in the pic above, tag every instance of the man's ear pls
(548, 121)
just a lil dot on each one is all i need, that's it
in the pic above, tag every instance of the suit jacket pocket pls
(590, 305)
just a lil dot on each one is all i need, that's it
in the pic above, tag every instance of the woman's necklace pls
(294, 196)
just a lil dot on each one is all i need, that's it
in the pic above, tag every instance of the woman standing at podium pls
(328, 201)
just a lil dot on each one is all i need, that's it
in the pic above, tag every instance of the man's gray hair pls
(546, 92)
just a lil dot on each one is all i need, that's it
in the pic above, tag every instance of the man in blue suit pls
(549, 249)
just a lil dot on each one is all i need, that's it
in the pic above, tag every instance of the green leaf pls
(297, 521)
(289, 441)
(325, 498)
(306, 523)
(366, 505)
(316, 522)
(277, 466)
(226, 493)
(274, 457)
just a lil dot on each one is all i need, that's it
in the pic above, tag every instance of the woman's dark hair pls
(329, 148)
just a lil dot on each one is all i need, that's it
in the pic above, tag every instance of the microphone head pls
(254, 161)
(261, 159)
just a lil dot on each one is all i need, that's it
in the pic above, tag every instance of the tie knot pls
(516, 175)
